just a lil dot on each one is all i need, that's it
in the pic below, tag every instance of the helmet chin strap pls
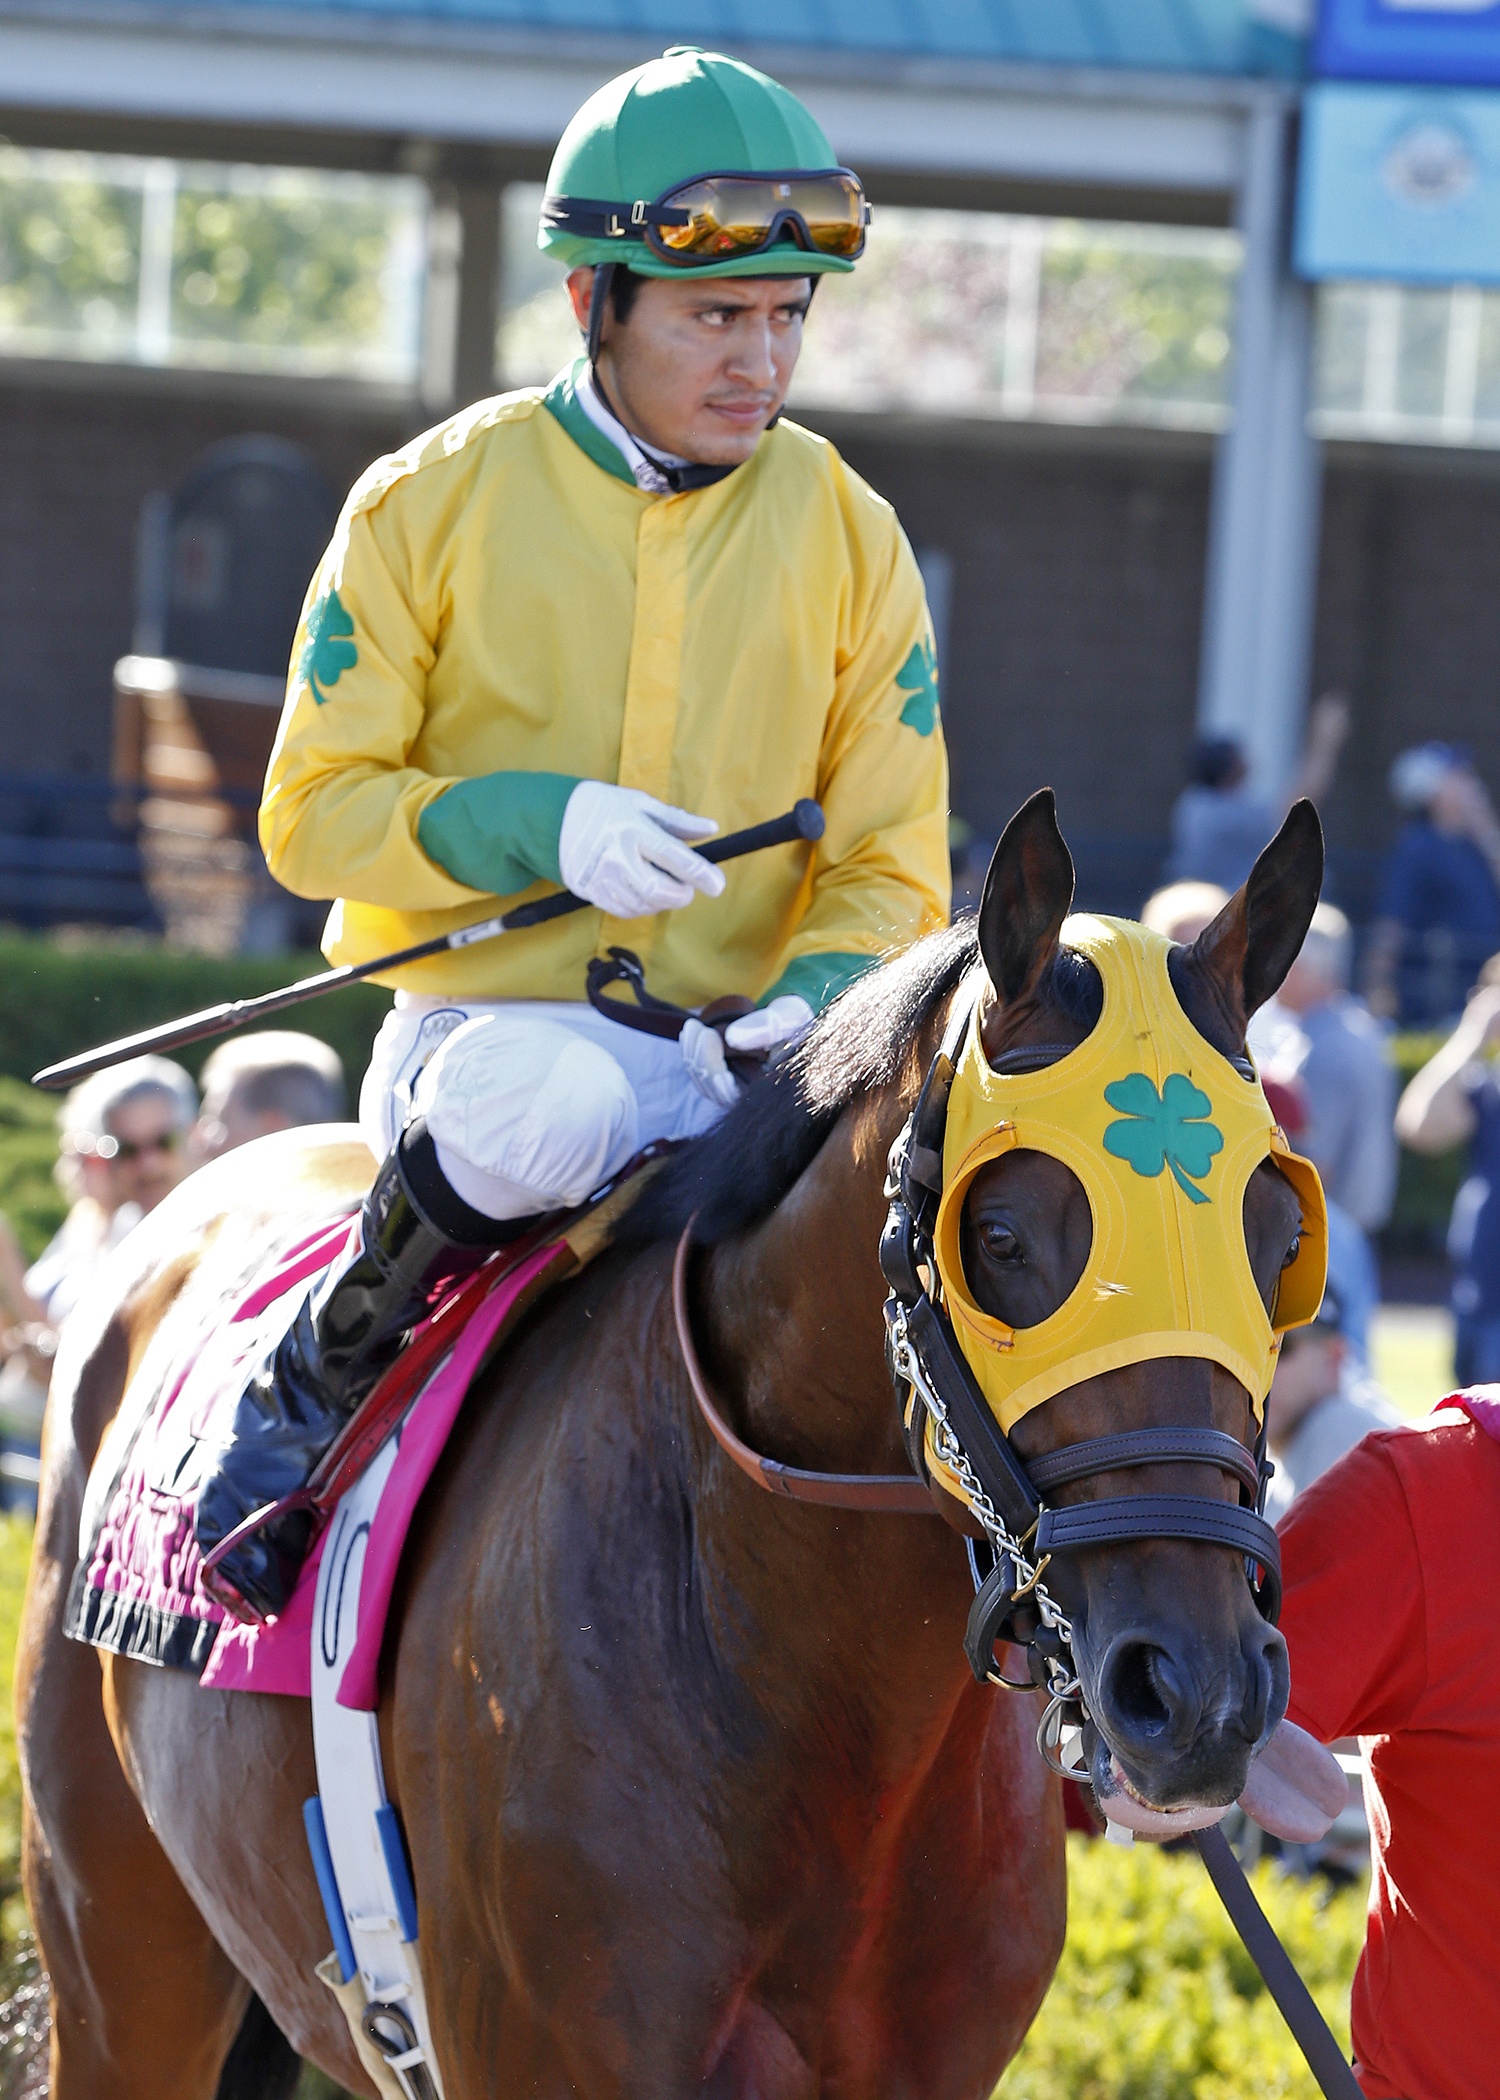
(604, 277)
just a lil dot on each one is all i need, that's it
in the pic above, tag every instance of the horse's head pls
(1132, 1274)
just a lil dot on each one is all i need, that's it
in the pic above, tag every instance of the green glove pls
(498, 833)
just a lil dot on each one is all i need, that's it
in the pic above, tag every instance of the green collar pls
(562, 400)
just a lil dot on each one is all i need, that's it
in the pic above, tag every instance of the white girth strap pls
(363, 1871)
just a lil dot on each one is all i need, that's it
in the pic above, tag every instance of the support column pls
(1263, 521)
(478, 292)
(441, 301)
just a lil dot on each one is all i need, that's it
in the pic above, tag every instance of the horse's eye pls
(1000, 1243)
(1292, 1252)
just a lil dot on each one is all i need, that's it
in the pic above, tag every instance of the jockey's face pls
(700, 369)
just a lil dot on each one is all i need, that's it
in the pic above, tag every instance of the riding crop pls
(803, 821)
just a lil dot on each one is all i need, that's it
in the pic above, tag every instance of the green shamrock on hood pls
(919, 677)
(327, 653)
(1163, 1130)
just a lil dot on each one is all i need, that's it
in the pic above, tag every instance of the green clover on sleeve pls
(327, 652)
(918, 676)
(1163, 1130)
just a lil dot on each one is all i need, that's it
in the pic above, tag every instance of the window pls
(158, 262)
(970, 314)
(1408, 364)
(1044, 320)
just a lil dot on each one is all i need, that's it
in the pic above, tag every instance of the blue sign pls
(1452, 41)
(1399, 183)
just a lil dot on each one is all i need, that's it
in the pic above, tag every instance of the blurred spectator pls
(1455, 1100)
(1315, 1032)
(1319, 1406)
(1183, 909)
(275, 1080)
(1437, 914)
(1342, 1061)
(122, 1151)
(1220, 823)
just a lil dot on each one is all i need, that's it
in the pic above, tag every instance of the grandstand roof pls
(1246, 37)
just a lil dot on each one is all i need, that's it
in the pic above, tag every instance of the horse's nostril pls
(1141, 1689)
(1265, 1686)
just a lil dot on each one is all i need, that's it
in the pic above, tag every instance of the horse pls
(700, 1794)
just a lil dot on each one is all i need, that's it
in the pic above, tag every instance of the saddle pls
(138, 1588)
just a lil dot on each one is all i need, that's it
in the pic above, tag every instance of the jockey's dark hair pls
(737, 1174)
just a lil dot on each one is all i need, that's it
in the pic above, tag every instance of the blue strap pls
(398, 1868)
(328, 1886)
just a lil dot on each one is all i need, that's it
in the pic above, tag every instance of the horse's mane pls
(738, 1173)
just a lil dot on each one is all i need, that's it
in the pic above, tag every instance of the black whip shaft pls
(802, 822)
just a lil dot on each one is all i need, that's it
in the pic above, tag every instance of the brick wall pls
(74, 470)
(1408, 620)
(1073, 638)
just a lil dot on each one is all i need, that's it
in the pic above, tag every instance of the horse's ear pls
(1246, 952)
(1027, 893)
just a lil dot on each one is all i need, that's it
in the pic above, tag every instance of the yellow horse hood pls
(1164, 1134)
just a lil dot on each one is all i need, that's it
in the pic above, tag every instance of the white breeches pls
(530, 1104)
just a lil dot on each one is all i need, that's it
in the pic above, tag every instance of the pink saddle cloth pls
(136, 1591)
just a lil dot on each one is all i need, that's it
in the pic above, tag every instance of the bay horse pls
(700, 1793)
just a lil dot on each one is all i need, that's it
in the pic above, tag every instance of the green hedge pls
(30, 1198)
(1155, 1997)
(57, 1000)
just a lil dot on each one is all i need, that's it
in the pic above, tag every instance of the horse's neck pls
(793, 1312)
(866, 1611)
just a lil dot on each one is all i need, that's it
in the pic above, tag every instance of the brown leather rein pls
(888, 1494)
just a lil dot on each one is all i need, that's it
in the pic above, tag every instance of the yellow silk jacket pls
(501, 596)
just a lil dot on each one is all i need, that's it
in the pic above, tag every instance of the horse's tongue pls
(1295, 1787)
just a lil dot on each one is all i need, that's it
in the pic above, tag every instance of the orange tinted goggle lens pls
(730, 215)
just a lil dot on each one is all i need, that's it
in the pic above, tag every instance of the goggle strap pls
(597, 218)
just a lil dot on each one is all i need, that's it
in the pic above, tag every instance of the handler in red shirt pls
(1392, 1566)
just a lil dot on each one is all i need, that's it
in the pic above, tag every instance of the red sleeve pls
(1353, 1613)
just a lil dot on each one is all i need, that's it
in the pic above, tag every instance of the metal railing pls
(69, 853)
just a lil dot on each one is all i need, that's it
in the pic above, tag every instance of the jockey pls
(558, 641)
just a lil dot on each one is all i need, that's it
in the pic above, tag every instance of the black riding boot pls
(416, 1232)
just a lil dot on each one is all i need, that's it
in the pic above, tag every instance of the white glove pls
(768, 1028)
(623, 850)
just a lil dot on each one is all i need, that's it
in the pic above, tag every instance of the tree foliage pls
(69, 249)
(1155, 1997)
(294, 269)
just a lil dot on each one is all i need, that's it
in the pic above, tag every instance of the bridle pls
(1021, 1533)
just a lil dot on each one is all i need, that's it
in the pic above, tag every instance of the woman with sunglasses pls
(556, 642)
(120, 1152)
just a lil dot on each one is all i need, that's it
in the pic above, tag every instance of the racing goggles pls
(723, 218)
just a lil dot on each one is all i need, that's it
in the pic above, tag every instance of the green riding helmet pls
(696, 163)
